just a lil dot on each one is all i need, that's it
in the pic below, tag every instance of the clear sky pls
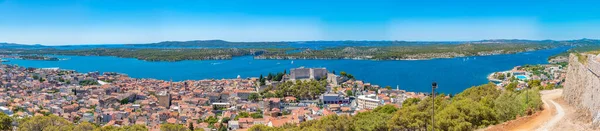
(61, 22)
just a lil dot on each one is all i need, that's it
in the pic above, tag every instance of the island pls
(37, 57)
(362, 50)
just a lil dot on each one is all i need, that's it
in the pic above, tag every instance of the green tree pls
(409, 118)
(270, 76)
(387, 109)
(477, 93)
(256, 115)
(531, 100)
(388, 87)
(38, 123)
(261, 80)
(172, 127)
(465, 114)
(410, 101)
(549, 86)
(124, 101)
(242, 115)
(507, 107)
(135, 127)
(109, 128)
(84, 126)
(278, 77)
(191, 126)
(253, 96)
(5, 122)
(501, 76)
(511, 87)
(261, 127)
(349, 93)
(371, 121)
(211, 120)
(222, 127)
(225, 119)
(329, 123)
(534, 83)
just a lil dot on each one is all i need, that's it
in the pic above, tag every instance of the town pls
(113, 99)
(541, 77)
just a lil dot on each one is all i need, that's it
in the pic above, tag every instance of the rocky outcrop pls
(582, 84)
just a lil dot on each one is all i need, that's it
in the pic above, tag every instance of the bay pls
(452, 74)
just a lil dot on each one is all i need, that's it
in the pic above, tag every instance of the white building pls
(233, 125)
(368, 101)
(221, 105)
(6, 111)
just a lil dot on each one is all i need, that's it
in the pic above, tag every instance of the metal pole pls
(433, 86)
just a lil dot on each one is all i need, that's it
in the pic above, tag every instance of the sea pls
(453, 75)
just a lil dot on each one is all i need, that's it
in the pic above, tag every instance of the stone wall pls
(582, 84)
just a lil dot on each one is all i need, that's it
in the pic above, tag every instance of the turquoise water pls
(453, 75)
(521, 77)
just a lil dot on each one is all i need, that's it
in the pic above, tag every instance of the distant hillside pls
(579, 46)
(14, 45)
(208, 43)
(222, 43)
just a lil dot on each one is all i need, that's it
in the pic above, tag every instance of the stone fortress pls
(582, 84)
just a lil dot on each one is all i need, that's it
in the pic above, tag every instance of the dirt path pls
(546, 115)
(573, 120)
(536, 120)
(559, 116)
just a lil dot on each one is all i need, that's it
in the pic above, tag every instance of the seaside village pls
(541, 77)
(113, 99)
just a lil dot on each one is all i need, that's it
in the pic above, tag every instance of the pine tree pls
(270, 76)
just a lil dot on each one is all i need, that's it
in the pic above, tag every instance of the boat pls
(4, 60)
(292, 62)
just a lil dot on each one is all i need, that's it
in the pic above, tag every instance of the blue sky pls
(61, 22)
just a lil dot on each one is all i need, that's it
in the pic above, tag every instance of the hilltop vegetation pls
(373, 50)
(474, 108)
(14, 45)
(417, 51)
(580, 46)
(56, 123)
(207, 43)
(152, 54)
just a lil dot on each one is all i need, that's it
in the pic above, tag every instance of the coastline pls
(397, 72)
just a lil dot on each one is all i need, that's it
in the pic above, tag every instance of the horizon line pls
(141, 43)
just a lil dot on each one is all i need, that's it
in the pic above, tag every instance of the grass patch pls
(582, 58)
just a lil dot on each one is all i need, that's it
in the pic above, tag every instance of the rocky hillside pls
(582, 85)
